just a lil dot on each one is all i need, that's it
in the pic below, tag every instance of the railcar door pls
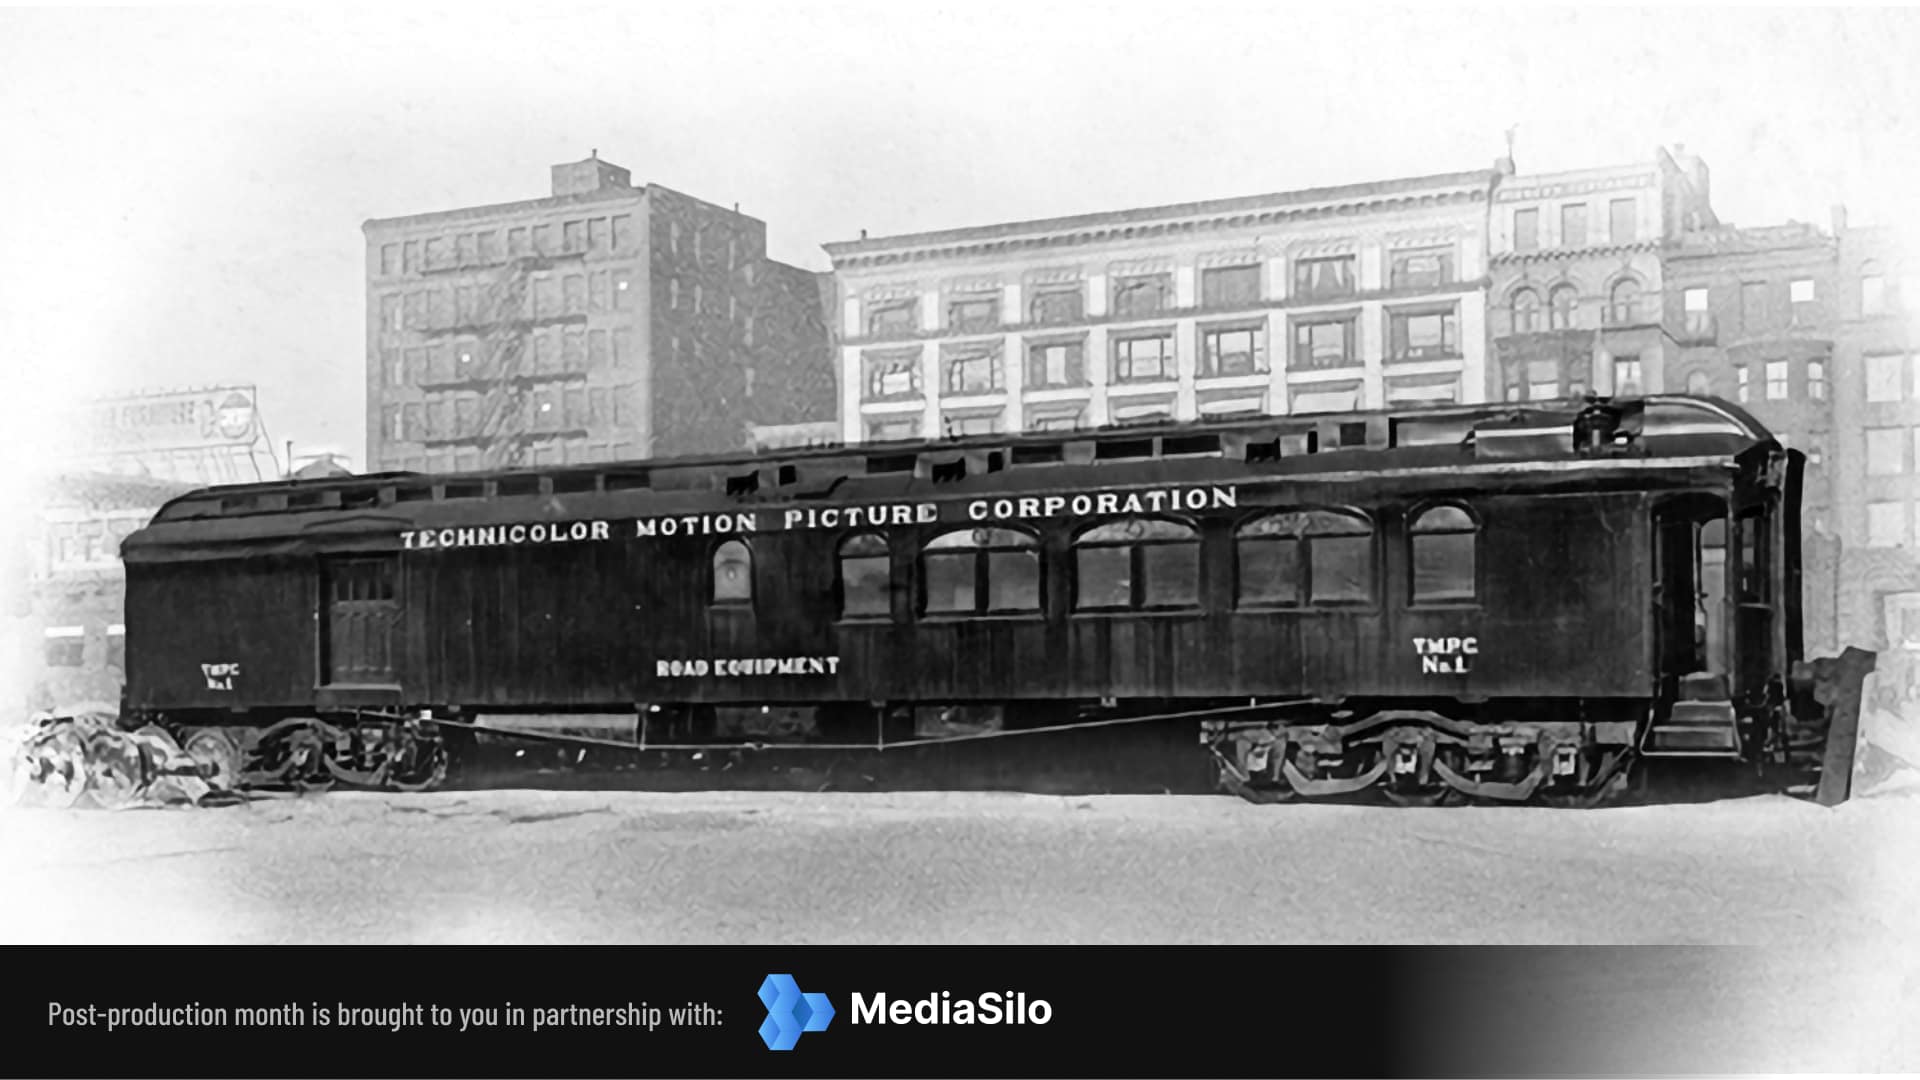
(361, 616)
(1754, 616)
(1689, 588)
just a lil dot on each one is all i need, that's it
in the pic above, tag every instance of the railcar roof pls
(1509, 441)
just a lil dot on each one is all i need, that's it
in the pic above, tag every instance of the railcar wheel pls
(114, 771)
(60, 768)
(218, 757)
(419, 765)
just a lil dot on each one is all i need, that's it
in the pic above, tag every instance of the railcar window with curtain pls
(866, 575)
(981, 572)
(1444, 538)
(1306, 556)
(1141, 563)
(732, 573)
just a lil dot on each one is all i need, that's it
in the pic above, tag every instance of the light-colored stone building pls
(1359, 296)
(1577, 276)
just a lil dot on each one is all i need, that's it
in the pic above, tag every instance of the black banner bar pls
(912, 1012)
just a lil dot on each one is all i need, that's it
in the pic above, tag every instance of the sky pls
(187, 186)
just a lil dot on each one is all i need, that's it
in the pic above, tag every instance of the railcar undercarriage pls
(1573, 754)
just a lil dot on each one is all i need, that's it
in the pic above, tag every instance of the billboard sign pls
(209, 435)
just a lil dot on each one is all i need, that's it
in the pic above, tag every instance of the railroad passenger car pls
(1479, 602)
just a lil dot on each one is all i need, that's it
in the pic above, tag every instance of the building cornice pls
(1571, 254)
(495, 210)
(1164, 222)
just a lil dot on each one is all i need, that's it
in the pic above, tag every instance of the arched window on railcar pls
(981, 571)
(1445, 562)
(732, 573)
(1139, 563)
(866, 577)
(1305, 557)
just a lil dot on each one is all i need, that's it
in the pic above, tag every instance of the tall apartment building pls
(604, 321)
(1577, 276)
(1309, 301)
(1876, 405)
(1753, 313)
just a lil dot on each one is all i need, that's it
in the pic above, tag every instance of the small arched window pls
(1309, 556)
(1563, 302)
(1137, 563)
(732, 573)
(1623, 304)
(1699, 383)
(1444, 559)
(866, 577)
(981, 572)
(1526, 311)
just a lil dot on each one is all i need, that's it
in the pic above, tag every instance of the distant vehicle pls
(1497, 603)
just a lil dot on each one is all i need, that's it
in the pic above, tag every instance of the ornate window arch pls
(1623, 301)
(866, 577)
(1137, 563)
(1563, 306)
(732, 573)
(1699, 383)
(1444, 538)
(1526, 310)
(1291, 558)
(980, 571)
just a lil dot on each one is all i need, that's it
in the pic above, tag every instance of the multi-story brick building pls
(1308, 301)
(1576, 267)
(604, 321)
(1876, 440)
(1753, 313)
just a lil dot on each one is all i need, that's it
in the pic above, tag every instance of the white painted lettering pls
(977, 510)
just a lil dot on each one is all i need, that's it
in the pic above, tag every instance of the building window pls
(981, 572)
(1143, 295)
(410, 257)
(1626, 376)
(1817, 380)
(1622, 224)
(972, 370)
(732, 573)
(1319, 279)
(1573, 225)
(892, 375)
(1233, 350)
(1884, 377)
(1443, 539)
(971, 314)
(961, 425)
(1741, 382)
(866, 577)
(1886, 524)
(1700, 384)
(1776, 380)
(1230, 286)
(66, 646)
(893, 317)
(1800, 294)
(1427, 390)
(1324, 398)
(1543, 380)
(1137, 563)
(1526, 311)
(1054, 305)
(1699, 320)
(1753, 307)
(1562, 303)
(1886, 451)
(1143, 359)
(893, 428)
(1422, 335)
(389, 259)
(1056, 363)
(1318, 346)
(1429, 268)
(1061, 417)
(1526, 230)
(1314, 556)
(1623, 304)
(117, 646)
(1873, 291)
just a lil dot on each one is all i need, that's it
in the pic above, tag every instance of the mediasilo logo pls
(791, 1013)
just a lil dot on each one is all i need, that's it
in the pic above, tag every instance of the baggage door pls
(360, 598)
